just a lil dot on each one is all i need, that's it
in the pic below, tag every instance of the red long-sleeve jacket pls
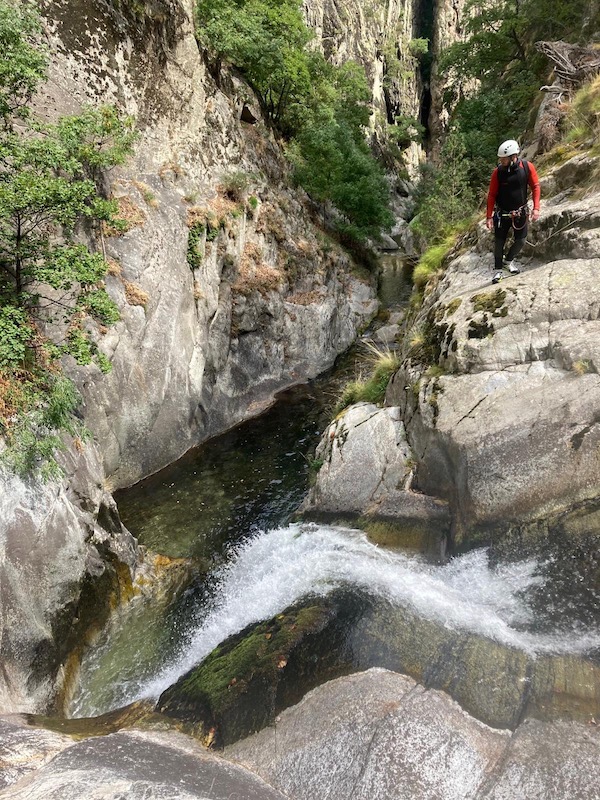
(508, 188)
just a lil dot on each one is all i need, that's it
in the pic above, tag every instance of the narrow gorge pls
(236, 587)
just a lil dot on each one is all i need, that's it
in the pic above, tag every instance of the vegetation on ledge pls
(52, 296)
(321, 111)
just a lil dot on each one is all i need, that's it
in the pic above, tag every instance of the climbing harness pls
(518, 215)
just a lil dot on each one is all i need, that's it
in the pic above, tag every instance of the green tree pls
(265, 39)
(445, 198)
(499, 53)
(334, 165)
(51, 285)
(22, 66)
(322, 111)
(44, 195)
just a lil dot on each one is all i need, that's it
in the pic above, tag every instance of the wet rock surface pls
(371, 735)
(63, 555)
(497, 684)
(379, 735)
(23, 749)
(140, 766)
(241, 686)
(549, 760)
(246, 681)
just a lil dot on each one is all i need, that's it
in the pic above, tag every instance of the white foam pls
(278, 568)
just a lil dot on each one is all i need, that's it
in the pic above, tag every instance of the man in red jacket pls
(507, 205)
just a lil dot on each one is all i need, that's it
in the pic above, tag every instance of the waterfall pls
(279, 567)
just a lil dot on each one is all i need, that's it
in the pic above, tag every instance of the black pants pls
(502, 227)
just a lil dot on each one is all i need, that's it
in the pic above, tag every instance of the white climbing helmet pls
(508, 148)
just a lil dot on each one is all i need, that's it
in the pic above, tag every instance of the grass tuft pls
(383, 364)
(583, 117)
(431, 261)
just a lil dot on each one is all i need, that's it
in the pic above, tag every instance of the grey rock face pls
(349, 30)
(140, 766)
(374, 735)
(508, 432)
(387, 334)
(266, 304)
(24, 749)
(61, 545)
(365, 455)
(379, 736)
(550, 760)
(366, 476)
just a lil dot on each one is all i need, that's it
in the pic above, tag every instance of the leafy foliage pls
(320, 109)
(499, 52)
(406, 130)
(195, 236)
(265, 39)
(431, 261)
(498, 61)
(335, 165)
(584, 115)
(51, 285)
(22, 66)
(383, 364)
(445, 198)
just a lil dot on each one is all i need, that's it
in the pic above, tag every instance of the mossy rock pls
(491, 302)
(246, 681)
(497, 684)
(136, 715)
(453, 306)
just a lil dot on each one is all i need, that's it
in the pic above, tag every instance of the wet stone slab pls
(550, 760)
(375, 735)
(139, 766)
(378, 735)
(24, 749)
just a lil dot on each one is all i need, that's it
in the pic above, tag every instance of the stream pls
(506, 637)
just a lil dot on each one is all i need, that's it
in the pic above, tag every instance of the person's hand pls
(535, 215)
(489, 223)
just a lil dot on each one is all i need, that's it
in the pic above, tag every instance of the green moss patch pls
(453, 306)
(228, 671)
(234, 691)
(491, 302)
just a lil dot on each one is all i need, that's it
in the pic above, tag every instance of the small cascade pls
(277, 568)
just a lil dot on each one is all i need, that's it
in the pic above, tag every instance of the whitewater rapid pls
(279, 567)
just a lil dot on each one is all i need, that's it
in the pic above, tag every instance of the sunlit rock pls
(140, 765)
(365, 476)
(377, 735)
(374, 735)
(23, 749)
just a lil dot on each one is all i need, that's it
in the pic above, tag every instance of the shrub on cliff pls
(583, 117)
(381, 364)
(321, 110)
(51, 285)
(444, 198)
